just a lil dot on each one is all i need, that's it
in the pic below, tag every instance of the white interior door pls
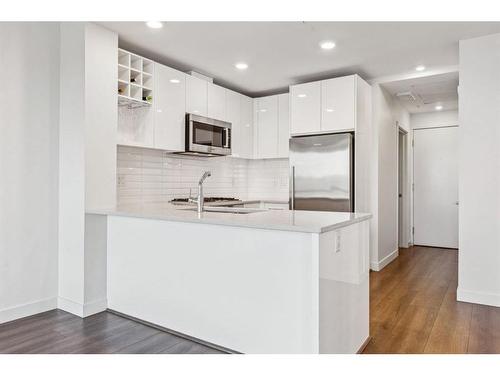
(435, 197)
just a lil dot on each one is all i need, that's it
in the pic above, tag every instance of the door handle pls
(292, 189)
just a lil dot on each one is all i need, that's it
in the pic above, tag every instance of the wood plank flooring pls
(59, 332)
(413, 308)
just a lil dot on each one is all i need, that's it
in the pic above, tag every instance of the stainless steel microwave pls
(206, 136)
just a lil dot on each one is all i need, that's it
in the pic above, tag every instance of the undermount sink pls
(227, 210)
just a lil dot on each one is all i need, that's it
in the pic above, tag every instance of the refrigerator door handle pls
(292, 189)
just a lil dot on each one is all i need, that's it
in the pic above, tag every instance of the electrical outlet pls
(337, 242)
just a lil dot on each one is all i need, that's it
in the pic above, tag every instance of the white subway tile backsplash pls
(146, 175)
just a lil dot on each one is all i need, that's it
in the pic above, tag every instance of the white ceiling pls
(424, 93)
(284, 53)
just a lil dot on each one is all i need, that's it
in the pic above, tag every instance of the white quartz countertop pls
(296, 221)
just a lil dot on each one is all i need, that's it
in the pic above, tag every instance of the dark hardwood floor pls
(59, 332)
(413, 308)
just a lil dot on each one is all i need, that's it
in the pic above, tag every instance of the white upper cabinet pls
(305, 108)
(196, 95)
(169, 108)
(283, 125)
(245, 137)
(237, 115)
(324, 106)
(216, 102)
(267, 127)
(338, 104)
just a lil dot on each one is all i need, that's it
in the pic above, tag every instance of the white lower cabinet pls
(169, 108)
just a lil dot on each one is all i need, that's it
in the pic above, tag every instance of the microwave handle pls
(226, 138)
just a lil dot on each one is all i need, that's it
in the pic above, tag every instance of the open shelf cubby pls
(147, 66)
(123, 88)
(147, 81)
(123, 74)
(123, 58)
(135, 79)
(136, 62)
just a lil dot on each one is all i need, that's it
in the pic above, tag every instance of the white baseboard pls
(378, 266)
(481, 298)
(95, 307)
(82, 310)
(21, 311)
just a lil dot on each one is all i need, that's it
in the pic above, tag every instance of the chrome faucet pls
(200, 198)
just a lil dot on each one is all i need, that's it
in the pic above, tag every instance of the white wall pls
(87, 178)
(72, 163)
(434, 119)
(388, 115)
(479, 171)
(101, 116)
(28, 168)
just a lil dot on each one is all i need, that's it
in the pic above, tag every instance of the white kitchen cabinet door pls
(283, 125)
(246, 128)
(267, 127)
(338, 104)
(196, 96)
(305, 108)
(170, 108)
(216, 102)
(234, 117)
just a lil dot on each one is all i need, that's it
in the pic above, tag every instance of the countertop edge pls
(215, 221)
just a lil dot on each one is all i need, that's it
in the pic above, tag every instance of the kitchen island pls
(263, 281)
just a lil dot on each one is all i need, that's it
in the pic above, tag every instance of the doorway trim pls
(403, 203)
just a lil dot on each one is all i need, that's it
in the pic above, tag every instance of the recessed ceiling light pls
(327, 44)
(241, 65)
(329, 110)
(420, 68)
(301, 96)
(174, 80)
(263, 110)
(154, 24)
(438, 107)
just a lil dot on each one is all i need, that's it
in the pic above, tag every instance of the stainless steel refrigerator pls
(322, 172)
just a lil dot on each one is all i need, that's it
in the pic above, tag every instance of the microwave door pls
(209, 136)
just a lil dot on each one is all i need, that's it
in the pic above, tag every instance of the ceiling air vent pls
(407, 95)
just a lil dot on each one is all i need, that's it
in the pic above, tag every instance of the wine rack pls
(135, 80)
